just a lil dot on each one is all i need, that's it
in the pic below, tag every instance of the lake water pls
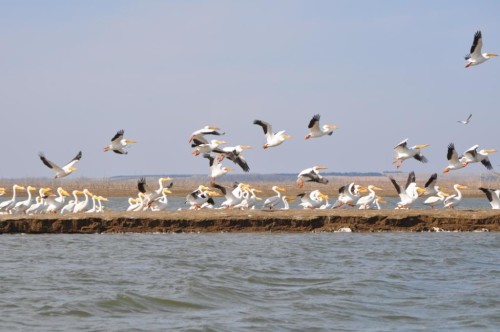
(250, 282)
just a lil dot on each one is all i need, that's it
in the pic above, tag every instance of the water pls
(250, 282)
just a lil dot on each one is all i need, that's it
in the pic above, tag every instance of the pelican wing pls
(268, 129)
(396, 185)
(432, 181)
(487, 192)
(210, 158)
(73, 161)
(402, 147)
(221, 188)
(471, 154)
(486, 162)
(142, 186)
(452, 154)
(314, 123)
(411, 179)
(420, 157)
(477, 44)
(118, 137)
(50, 164)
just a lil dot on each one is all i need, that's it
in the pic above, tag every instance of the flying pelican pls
(430, 185)
(208, 147)
(316, 130)
(475, 57)
(216, 169)
(453, 160)
(474, 156)
(64, 171)
(272, 201)
(466, 121)
(311, 175)
(272, 139)
(22, 206)
(365, 201)
(453, 200)
(233, 153)
(438, 198)
(493, 197)
(151, 194)
(198, 136)
(118, 143)
(410, 193)
(9, 204)
(404, 152)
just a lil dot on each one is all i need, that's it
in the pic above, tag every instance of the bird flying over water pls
(466, 121)
(118, 143)
(272, 139)
(475, 57)
(404, 152)
(61, 171)
(316, 130)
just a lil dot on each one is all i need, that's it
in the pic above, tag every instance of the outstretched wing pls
(118, 136)
(74, 160)
(49, 163)
(314, 123)
(268, 129)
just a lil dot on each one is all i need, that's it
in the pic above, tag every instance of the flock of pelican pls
(243, 195)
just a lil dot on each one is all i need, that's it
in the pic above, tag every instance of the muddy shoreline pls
(214, 221)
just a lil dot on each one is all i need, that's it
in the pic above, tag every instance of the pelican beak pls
(362, 189)
(20, 188)
(220, 142)
(165, 179)
(227, 169)
(246, 146)
(64, 193)
(491, 54)
(445, 194)
(213, 193)
(280, 189)
(323, 196)
(102, 198)
(462, 187)
(166, 191)
(287, 136)
(488, 151)
(213, 128)
(376, 188)
(321, 167)
(129, 141)
(420, 191)
(331, 126)
(72, 169)
(422, 146)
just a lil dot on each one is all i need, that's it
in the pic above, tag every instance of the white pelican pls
(475, 57)
(100, 199)
(208, 147)
(233, 153)
(453, 200)
(315, 199)
(286, 200)
(55, 203)
(119, 144)
(410, 193)
(36, 207)
(466, 121)
(132, 204)
(160, 204)
(349, 195)
(430, 185)
(365, 201)
(9, 204)
(493, 197)
(198, 197)
(233, 197)
(474, 156)
(249, 199)
(82, 206)
(272, 201)
(198, 136)
(272, 139)
(71, 204)
(311, 175)
(438, 198)
(65, 170)
(216, 169)
(404, 152)
(316, 130)
(453, 160)
(151, 194)
(22, 206)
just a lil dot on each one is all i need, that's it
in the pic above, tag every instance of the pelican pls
(430, 185)
(9, 204)
(453, 160)
(22, 206)
(132, 204)
(55, 203)
(316, 130)
(272, 201)
(272, 139)
(286, 202)
(208, 147)
(365, 201)
(216, 169)
(233, 197)
(119, 144)
(71, 204)
(36, 207)
(466, 121)
(198, 197)
(410, 193)
(453, 200)
(475, 57)
(249, 199)
(160, 204)
(82, 205)
(233, 153)
(349, 195)
(313, 200)
(311, 175)
(198, 136)
(474, 156)
(404, 152)
(493, 197)
(438, 198)
(150, 194)
(64, 171)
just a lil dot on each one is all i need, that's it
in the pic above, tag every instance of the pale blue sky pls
(73, 73)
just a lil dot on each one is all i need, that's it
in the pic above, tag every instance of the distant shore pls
(296, 221)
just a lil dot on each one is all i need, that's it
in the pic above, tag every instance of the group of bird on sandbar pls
(243, 195)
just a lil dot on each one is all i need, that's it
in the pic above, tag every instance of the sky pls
(73, 73)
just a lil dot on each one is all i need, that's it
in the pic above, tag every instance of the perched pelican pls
(272, 139)
(474, 156)
(286, 202)
(493, 197)
(118, 143)
(160, 204)
(233, 153)
(22, 206)
(216, 169)
(438, 198)
(365, 201)
(71, 204)
(410, 193)
(9, 204)
(311, 175)
(82, 205)
(453, 160)
(272, 201)
(233, 197)
(249, 199)
(36, 207)
(475, 57)
(198, 197)
(453, 200)
(430, 185)
(64, 171)
(315, 199)
(466, 121)
(349, 195)
(198, 137)
(404, 152)
(150, 194)
(316, 130)
(208, 147)
(55, 203)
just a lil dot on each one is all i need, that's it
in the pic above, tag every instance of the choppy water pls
(250, 282)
